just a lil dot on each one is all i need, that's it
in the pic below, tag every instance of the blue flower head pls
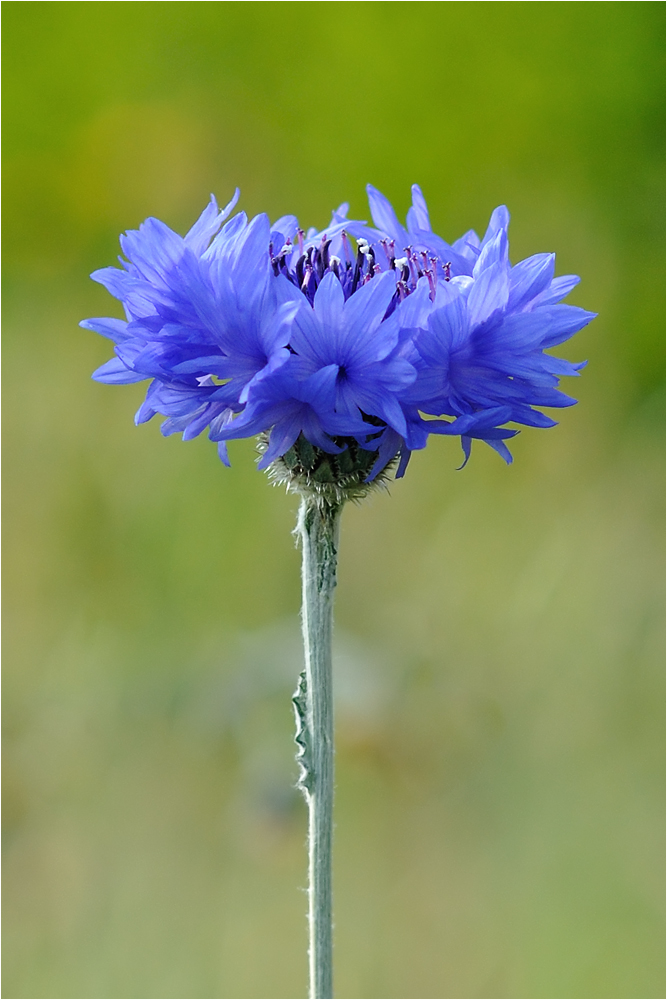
(343, 349)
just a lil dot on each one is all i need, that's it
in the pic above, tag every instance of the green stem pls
(318, 526)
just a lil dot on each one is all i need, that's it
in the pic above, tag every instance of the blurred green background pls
(498, 630)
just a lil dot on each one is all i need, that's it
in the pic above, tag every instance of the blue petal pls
(448, 329)
(494, 251)
(502, 450)
(286, 226)
(283, 436)
(276, 361)
(200, 421)
(468, 245)
(385, 217)
(199, 236)
(178, 400)
(319, 389)
(561, 322)
(389, 445)
(488, 295)
(174, 425)
(309, 339)
(500, 219)
(252, 260)
(419, 212)
(227, 237)
(406, 455)
(114, 372)
(413, 311)
(223, 454)
(144, 413)
(466, 445)
(114, 329)
(312, 429)
(154, 249)
(559, 288)
(529, 278)
(329, 300)
(364, 311)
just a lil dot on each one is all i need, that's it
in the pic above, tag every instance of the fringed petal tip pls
(144, 413)
(405, 456)
(502, 450)
(496, 443)
(466, 445)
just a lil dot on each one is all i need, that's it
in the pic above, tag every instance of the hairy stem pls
(318, 527)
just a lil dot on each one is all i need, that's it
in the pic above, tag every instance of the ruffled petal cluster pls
(358, 338)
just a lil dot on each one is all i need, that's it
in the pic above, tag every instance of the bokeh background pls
(498, 664)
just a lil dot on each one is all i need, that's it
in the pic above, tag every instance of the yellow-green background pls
(499, 740)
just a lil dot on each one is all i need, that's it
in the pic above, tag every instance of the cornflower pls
(343, 350)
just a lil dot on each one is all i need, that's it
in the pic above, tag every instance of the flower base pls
(331, 479)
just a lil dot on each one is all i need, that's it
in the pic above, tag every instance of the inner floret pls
(306, 267)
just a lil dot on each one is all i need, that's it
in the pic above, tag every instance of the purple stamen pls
(412, 264)
(300, 264)
(358, 267)
(307, 276)
(325, 252)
